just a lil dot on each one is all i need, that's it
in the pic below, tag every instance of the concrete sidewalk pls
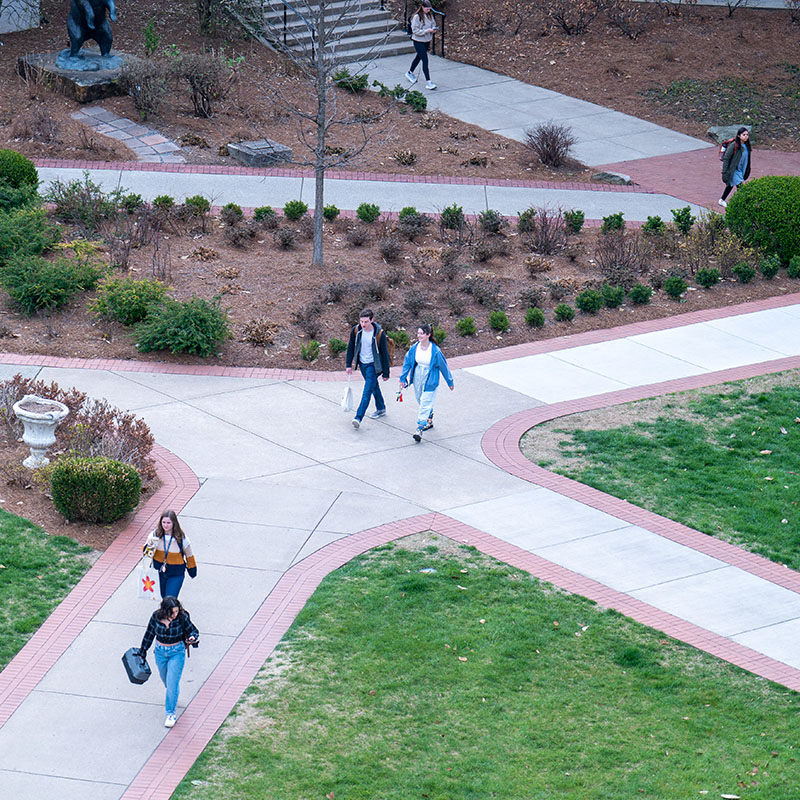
(283, 474)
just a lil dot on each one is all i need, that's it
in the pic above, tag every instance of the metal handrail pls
(308, 25)
(407, 26)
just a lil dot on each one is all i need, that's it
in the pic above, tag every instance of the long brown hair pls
(422, 9)
(177, 531)
(164, 611)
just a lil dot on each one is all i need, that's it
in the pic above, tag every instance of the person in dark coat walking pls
(736, 163)
(368, 349)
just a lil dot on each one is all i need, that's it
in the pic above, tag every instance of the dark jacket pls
(380, 349)
(179, 630)
(731, 160)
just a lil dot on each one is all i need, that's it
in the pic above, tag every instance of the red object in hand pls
(399, 397)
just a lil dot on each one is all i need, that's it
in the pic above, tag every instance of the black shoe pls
(417, 435)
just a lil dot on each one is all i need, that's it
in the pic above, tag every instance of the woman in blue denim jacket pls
(423, 365)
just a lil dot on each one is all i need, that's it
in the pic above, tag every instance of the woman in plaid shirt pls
(173, 631)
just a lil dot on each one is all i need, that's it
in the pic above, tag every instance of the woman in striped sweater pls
(172, 554)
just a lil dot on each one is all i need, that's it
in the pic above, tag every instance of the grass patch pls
(37, 572)
(724, 461)
(427, 670)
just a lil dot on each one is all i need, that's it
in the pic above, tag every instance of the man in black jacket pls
(370, 350)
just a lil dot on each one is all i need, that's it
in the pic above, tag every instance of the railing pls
(407, 26)
(289, 7)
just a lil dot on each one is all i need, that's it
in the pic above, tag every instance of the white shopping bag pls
(347, 397)
(147, 580)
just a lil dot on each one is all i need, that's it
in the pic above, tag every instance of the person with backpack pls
(368, 348)
(423, 365)
(172, 554)
(423, 26)
(736, 163)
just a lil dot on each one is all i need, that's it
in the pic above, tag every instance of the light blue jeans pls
(170, 661)
(425, 399)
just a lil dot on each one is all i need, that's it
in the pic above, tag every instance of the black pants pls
(728, 190)
(422, 55)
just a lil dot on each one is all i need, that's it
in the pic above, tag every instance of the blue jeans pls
(170, 585)
(170, 661)
(370, 388)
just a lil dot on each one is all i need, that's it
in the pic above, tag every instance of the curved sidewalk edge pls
(73, 614)
(176, 753)
(457, 362)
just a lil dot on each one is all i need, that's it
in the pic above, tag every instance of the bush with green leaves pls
(35, 284)
(613, 296)
(99, 489)
(401, 339)
(128, 300)
(770, 266)
(498, 321)
(534, 317)
(231, 213)
(16, 170)
(590, 301)
(613, 222)
(310, 351)
(675, 286)
(640, 294)
(164, 202)
(655, 226)
(416, 100)
(197, 205)
(294, 209)
(336, 346)
(439, 334)
(26, 232)
(491, 221)
(192, 326)
(744, 272)
(526, 222)
(407, 211)
(82, 203)
(263, 213)
(683, 219)
(793, 270)
(131, 202)
(452, 218)
(330, 212)
(564, 312)
(355, 84)
(707, 277)
(466, 327)
(368, 212)
(12, 198)
(574, 220)
(764, 213)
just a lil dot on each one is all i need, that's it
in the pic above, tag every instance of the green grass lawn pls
(419, 671)
(36, 572)
(726, 462)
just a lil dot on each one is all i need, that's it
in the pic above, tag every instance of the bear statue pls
(89, 20)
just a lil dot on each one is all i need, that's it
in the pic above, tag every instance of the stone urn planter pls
(40, 417)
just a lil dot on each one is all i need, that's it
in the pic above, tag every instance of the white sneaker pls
(722, 203)
(356, 423)
(430, 85)
(169, 722)
(411, 77)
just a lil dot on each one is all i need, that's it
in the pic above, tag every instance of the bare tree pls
(310, 33)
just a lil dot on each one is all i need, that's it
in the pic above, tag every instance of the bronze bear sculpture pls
(87, 20)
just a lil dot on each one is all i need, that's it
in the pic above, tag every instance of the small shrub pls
(683, 219)
(466, 327)
(413, 225)
(285, 238)
(483, 250)
(98, 490)
(416, 100)
(164, 202)
(655, 226)
(498, 321)
(401, 339)
(204, 73)
(405, 157)
(574, 220)
(491, 221)
(81, 203)
(355, 84)
(534, 317)
(547, 232)
(793, 270)
(263, 213)
(613, 222)
(128, 300)
(640, 294)
(621, 257)
(390, 247)
(294, 209)
(452, 217)
(16, 170)
(551, 143)
(394, 276)
(564, 312)
(414, 301)
(407, 211)
(484, 289)
(11, 198)
(675, 286)
(527, 220)
(744, 272)
(310, 351)
(193, 326)
(231, 213)
(613, 296)
(559, 289)
(26, 232)
(197, 205)
(590, 301)
(147, 82)
(260, 332)
(770, 266)
(239, 235)
(707, 277)
(532, 296)
(336, 346)
(330, 212)
(368, 212)
(335, 292)
(439, 334)
(764, 213)
(357, 236)
(309, 318)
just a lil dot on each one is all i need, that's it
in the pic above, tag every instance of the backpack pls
(389, 344)
(723, 147)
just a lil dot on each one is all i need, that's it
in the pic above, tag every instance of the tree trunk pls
(319, 160)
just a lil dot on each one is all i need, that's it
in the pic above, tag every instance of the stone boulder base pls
(721, 133)
(261, 153)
